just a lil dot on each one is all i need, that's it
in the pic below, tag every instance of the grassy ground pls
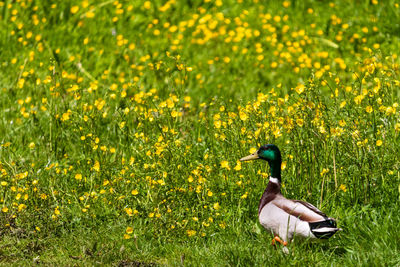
(123, 122)
(372, 241)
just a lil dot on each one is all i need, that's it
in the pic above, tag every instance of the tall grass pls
(123, 122)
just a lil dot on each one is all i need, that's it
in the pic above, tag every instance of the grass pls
(123, 122)
(361, 243)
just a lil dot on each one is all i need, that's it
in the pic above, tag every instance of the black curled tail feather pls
(324, 229)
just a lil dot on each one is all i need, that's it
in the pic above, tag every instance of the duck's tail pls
(324, 229)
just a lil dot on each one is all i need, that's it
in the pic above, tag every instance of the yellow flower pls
(6, 144)
(358, 99)
(238, 166)
(66, 116)
(78, 176)
(56, 211)
(379, 143)
(129, 211)
(300, 122)
(191, 232)
(216, 206)
(99, 103)
(21, 207)
(129, 230)
(4, 209)
(174, 114)
(89, 14)
(96, 166)
(225, 165)
(252, 150)
(371, 68)
(134, 192)
(283, 165)
(343, 188)
(147, 5)
(390, 111)
(32, 145)
(74, 9)
(300, 88)
(324, 171)
(397, 127)
(243, 115)
(368, 109)
(319, 73)
(126, 236)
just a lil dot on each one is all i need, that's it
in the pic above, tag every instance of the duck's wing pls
(311, 207)
(300, 209)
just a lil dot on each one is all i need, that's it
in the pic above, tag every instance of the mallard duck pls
(284, 217)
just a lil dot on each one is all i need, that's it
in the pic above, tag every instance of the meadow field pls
(122, 125)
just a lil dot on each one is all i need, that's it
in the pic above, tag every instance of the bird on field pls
(284, 217)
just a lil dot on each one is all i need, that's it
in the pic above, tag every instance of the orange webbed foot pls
(277, 239)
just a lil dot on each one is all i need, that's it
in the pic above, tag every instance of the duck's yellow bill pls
(250, 157)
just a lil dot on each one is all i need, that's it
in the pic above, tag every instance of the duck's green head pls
(269, 153)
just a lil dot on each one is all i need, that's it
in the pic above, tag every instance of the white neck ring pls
(273, 180)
